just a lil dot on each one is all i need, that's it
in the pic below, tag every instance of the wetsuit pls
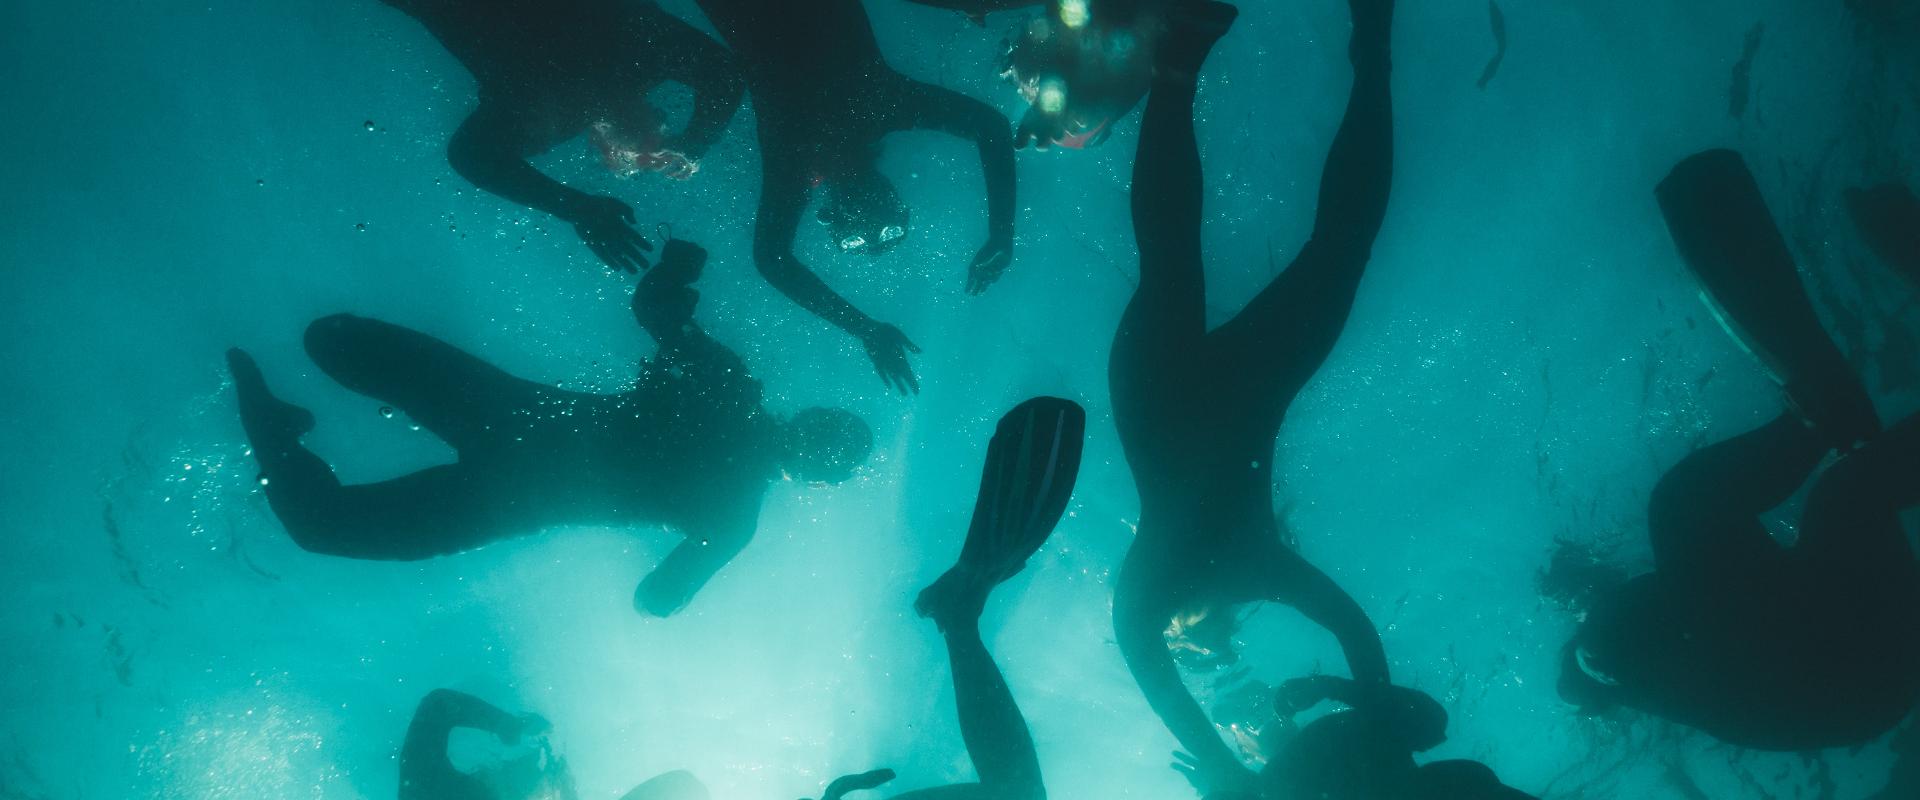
(548, 70)
(691, 447)
(825, 98)
(1199, 411)
(1367, 753)
(427, 774)
(1779, 648)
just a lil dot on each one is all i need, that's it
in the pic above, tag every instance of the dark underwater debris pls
(1740, 93)
(1576, 573)
(118, 656)
(1499, 21)
(124, 567)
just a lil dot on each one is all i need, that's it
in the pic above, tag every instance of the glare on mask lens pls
(892, 232)
(853, 242)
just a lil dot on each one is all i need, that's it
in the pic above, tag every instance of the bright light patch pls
(1073, 13)
(1053, 96)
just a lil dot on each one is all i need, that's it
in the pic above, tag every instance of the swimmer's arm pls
(489, 150)
(934, 108)
(709, 546)
(783, 197)
(1303, 586)
(424, 755)
(686, 55)
(1139, 629)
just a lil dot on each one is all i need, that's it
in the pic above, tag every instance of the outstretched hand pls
(606, 225)
(989, 264)
(888, 348)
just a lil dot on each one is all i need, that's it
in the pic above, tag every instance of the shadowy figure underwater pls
(1199, 411)
(538, 773)
(825, 98)
(1788, 648)
(690, 446)
(551, 70)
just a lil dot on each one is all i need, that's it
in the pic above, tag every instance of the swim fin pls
(847, 784)
(1728, 240)
(1032, 463)
(1888, 217)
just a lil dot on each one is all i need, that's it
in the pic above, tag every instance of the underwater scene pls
(960, 399)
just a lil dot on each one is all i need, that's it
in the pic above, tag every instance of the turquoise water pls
(1526, 356)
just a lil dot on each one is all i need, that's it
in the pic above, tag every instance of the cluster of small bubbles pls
(386, 412)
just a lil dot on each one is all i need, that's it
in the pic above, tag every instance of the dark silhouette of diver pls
(825, 98)
(1080, 66)
(427, 774)
(551, 70)
(1359, 754)
(1794, 648)
(691, 446)
(1032, 463)
(1199, 411)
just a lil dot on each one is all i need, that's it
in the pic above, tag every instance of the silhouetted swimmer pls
(1888, 218)
(538, 774)
(690, 446)
(1032, 463)
(1081, 66)
(551, 70)
(825, 98)
(1365, 752)
(1795, 648)
(1199, 411)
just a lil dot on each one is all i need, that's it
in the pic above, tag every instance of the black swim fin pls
(1729, 241)
(1032, 463)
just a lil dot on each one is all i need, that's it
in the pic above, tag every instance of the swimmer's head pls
(864, 213)
(1201, 636)
(824, 445)
(1634, 639)
(537, 775)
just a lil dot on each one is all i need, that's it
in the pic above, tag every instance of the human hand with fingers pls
(888, 347)
(606, 225)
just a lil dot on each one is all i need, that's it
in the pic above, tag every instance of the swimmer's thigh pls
(434, 512)
(449, 391)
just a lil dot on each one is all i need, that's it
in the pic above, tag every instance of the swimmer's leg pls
(1728, 240)
(1852, 517)
(1283, 336)
(1703, 516)
(1166, 318)
(1032, 463)
(288, 469)
(450, 392)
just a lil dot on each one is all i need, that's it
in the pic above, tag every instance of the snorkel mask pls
(865, 215)
(1064, 67)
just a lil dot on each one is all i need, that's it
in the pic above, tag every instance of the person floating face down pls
(825, 98)
(1081, 65)
(1032, 463)
(1795, 648)
(1365, 751)
(552, 70)
(690, 446)
(1199, 411)
(536, 773)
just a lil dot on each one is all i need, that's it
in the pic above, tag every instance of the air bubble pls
(386, 412)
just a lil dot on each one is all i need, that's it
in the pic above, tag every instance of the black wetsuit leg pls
(448, 391)
(1704, 514)
(991, 724)
(1283, 336)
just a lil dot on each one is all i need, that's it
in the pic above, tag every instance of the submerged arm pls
(1306, 588)
(423, 758)
(1139, 630)
(490, 150)
(686, 55)
(934, 108)
(783, 197)
(708, 547)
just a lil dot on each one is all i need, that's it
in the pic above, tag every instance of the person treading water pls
(1199, 411)
(690, 446)
(426, 773)
(1032, 463)
(551, 70)
(1785, 648)
(825, 97)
